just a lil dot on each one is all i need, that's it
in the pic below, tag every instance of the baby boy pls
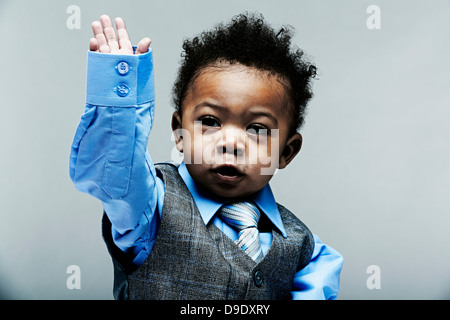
(210, 227)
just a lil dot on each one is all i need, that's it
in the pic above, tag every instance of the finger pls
(124, 40)
(98, 34)
(109, 33)
(93, 44)
(143, 45)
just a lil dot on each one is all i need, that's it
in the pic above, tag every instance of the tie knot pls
(240, 215)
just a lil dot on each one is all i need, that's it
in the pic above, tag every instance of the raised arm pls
(109, 158)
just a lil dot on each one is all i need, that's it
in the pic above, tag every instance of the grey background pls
(372, 179)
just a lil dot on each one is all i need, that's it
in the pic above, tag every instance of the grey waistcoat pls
(192, 261)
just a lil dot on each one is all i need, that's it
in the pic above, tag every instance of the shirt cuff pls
(119, 80)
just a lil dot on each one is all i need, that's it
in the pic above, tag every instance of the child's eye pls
(210, 121)
(258, 129)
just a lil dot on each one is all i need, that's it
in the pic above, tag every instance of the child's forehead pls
(236, 81)
(221, 68)
(223, 75)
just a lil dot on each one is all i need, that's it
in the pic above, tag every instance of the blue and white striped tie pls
(244, 217)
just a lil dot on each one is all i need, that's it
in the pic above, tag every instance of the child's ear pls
(292, 147)
(177, 130)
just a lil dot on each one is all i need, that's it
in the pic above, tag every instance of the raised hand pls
(105, 40)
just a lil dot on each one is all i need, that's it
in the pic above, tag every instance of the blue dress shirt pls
(110, 161)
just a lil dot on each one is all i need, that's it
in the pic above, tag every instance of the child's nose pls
(232, 142)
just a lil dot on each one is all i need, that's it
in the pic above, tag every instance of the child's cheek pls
(204, 148)
(267, 147)
(208, 149)
(268, 154)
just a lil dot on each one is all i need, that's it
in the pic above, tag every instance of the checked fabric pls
(244, 217)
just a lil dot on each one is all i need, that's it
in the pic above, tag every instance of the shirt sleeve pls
(109, 158)
(319, 280)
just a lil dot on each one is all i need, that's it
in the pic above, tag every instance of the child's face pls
(235, 129)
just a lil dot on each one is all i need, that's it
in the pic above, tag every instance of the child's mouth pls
(227, 173)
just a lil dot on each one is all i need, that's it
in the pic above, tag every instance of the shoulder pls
(297, 231)
(291, 221)
(167, 165)
(167, 170)
(174, 186)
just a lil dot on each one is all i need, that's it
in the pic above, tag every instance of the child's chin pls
(231, 193)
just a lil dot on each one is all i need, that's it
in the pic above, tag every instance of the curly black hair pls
(249, 40)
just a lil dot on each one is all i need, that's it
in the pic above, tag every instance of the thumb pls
(143, 46)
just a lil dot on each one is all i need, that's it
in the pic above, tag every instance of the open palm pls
(106, 41)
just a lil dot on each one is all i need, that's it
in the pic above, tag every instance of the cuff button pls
(122, 68)
(122, 90)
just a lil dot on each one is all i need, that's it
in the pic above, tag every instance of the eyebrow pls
(265, 114)
(222, 108)
(210, 105)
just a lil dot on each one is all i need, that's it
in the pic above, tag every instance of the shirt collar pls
(208, 205)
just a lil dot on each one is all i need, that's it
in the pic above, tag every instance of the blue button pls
(122, 68)
(122, 90)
